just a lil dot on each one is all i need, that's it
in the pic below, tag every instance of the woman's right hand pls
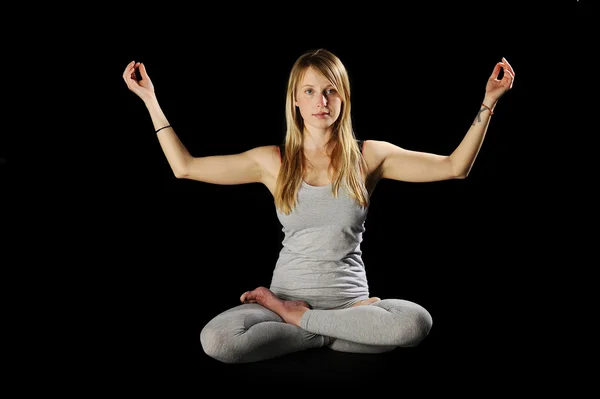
(142, 87)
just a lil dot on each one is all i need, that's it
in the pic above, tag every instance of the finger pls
(136, 67)
(510, 78)
(127, 67)
(127, 71)
(143, 71)
(243, 297)
(129, 76)
(496, 71)
(509, 75)
(510, 68)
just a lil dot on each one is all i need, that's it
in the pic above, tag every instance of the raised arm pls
(393, 162)
(245, 167)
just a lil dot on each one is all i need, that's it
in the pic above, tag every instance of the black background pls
(142, 260)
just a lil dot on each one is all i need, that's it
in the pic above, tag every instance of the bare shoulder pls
(375, 152)
(377, 148)
(269, 160)
(265, 155)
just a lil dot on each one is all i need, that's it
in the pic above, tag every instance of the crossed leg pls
(265, 326)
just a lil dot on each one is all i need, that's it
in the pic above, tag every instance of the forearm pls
(175, 152)
(464, 155)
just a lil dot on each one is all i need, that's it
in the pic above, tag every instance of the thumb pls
(143, 71)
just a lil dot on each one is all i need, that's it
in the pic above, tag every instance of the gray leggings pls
(251, 332)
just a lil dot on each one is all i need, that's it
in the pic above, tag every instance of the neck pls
(316, 140)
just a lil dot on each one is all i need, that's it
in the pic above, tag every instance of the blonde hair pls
(348, 163)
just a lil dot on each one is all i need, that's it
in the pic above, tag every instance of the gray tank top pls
(321, 255)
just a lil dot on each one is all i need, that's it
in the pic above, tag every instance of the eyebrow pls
(309, 85)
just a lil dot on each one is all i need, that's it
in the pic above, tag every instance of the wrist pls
(151, 102)
(490, 102)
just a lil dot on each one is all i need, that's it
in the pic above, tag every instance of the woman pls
(321, 180)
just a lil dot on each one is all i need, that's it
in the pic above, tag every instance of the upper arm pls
(250, 166)
(396, 163)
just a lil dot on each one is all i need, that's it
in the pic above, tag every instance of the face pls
(318, 101)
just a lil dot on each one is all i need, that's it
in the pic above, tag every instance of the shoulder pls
(377, 146)
(264, 154)
(268, 159)
(375, 151)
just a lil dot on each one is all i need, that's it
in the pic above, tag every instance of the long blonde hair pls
(348, 163)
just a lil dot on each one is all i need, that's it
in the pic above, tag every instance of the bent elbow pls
(455, 170)
(181, 168)
(461, 174)
(180, 173)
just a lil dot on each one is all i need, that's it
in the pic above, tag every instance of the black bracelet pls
(164, 127)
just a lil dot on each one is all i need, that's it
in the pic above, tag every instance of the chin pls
(323, 124)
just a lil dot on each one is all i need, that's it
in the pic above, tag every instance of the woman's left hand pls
(495, 87)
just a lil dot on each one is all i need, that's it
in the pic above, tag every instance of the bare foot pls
(290, 311)
(369, 301)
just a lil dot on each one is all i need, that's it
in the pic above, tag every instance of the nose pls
(322, 101)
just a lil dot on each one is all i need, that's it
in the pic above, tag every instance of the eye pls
(331, 91)
(309, 91)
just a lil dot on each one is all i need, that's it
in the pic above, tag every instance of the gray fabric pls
(250, 332)
(320, 263)
(389, 322)
(321, 255)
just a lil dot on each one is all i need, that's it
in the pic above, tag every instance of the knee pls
(413, 323)
(421, 323)
(217, 345)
